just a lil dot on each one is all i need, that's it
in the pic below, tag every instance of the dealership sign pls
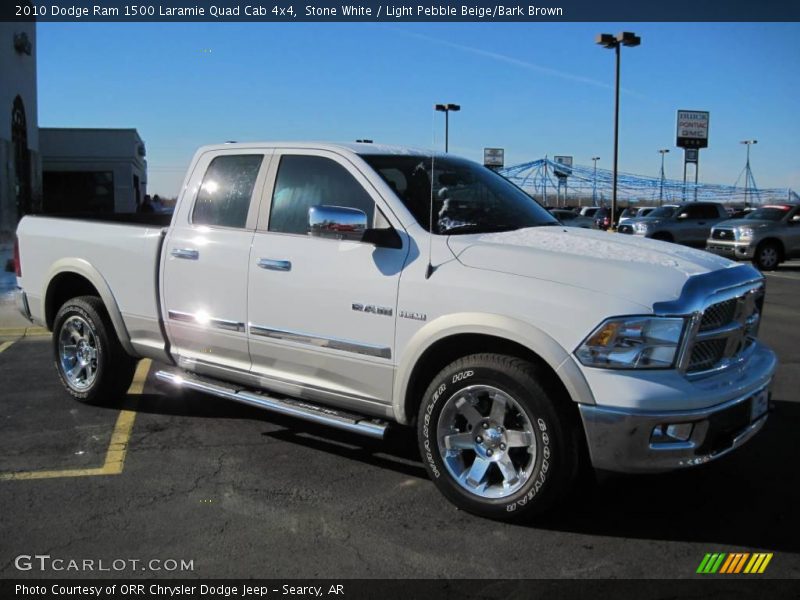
(493, 157)
(563, 166)
(692, 129)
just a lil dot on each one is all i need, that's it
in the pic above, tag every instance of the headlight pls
(633, 343)
(744, 233)
(640, 227)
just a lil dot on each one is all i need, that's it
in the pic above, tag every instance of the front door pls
(322, 311)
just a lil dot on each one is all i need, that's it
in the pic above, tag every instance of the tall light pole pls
(625, 38)
(594, 181)
(748, 174)
(446, 108)
(662, 152)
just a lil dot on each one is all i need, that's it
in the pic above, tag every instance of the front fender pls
(514, 330)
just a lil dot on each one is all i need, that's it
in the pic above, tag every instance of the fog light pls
(671, 432)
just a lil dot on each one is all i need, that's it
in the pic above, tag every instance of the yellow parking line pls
(23, 331)
(117, 448)
(5, 346)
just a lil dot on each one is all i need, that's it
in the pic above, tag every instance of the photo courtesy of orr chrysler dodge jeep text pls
(361, 285)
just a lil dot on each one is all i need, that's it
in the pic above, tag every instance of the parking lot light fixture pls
(662, 152)
(446, 109)
(594, 181)
(625, 38)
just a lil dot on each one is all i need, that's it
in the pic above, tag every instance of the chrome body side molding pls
(322, 342)
(225, 324)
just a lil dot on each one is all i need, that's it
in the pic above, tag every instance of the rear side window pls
(306, 181)
(224, 196)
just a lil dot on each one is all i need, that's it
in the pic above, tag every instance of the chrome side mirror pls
(337, 222)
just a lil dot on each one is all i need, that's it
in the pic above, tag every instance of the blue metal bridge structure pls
(586, 186)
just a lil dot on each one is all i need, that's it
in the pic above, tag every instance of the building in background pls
(92, 170)
(20, 181)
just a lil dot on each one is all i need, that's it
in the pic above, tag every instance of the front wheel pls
(494, 441)
(767, 256)
(90, 361)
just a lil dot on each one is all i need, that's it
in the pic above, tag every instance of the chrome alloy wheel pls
(486, 441)
(768, 257)
(77, 352)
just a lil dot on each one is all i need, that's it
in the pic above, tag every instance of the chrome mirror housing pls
(337, 222)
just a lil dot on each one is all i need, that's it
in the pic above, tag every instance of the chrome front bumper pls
(22, 304)
(623, 440)
(732, 250)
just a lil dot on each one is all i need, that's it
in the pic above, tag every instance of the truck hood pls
(752, 223)
(636, 269)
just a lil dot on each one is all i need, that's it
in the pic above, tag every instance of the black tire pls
(768, 256)
(663, 236)
(105, 357)
(544, 475)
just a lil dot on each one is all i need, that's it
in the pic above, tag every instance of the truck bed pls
(118, 253)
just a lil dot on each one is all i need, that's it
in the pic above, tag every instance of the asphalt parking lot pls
(244, 493)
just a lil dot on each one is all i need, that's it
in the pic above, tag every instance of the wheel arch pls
(69, 278)
(773, 240)
(442, 341)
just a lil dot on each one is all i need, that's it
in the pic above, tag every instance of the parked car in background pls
(768, 236)
(572, 219)
(688, 223)
(602, 218)
(632, 212)
(589, 211)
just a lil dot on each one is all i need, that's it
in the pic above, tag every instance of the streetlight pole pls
(594, 181)
(625, 38)
(748, 174)
(662, 152)
(446, 108)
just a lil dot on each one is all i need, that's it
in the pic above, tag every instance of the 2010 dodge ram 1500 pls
(358, 285)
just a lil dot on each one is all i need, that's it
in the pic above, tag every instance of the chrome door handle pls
(187, 253)
(274, 265)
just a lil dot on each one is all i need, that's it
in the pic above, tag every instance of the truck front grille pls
(705, 355)
(722, 234)
(719, 314)
(726, 329)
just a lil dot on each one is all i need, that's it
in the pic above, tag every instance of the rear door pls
(791, 233)
(322, 311)
(206, 254)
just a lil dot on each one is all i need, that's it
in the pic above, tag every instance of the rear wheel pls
(767, 256)
(90, 361)
(494, 441)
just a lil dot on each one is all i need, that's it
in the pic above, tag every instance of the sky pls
(534, 89)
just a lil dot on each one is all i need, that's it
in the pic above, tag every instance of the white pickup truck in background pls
(361, 285)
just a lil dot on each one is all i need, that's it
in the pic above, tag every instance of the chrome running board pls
(374, 428)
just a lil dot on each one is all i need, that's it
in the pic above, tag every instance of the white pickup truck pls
(360, 285)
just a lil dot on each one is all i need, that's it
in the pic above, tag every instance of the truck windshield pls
(467, 198)
(769, 213)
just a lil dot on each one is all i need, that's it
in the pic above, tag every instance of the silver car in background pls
(572, 219)
(688, 223)
(768, 236)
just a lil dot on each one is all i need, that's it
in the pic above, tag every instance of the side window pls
(224, 196)
(306, 181)
(702, 211)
